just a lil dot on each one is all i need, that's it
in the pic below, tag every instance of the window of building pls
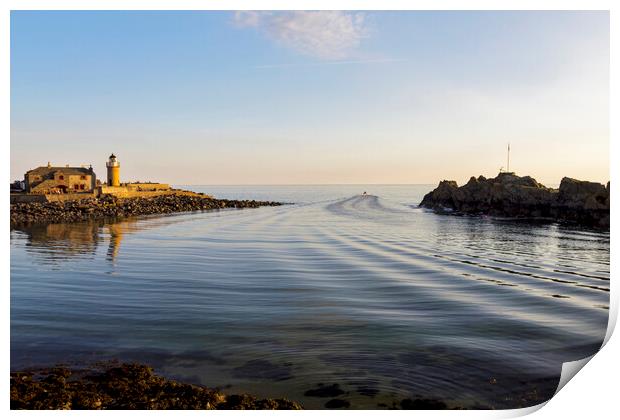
(81, 186)
(61, 177)
(76, 187)
(83, 177)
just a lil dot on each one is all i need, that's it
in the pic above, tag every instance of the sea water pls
(366, 291)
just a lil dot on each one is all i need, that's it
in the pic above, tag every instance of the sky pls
(331, 97)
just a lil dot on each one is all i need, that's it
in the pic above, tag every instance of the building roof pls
(41, 170)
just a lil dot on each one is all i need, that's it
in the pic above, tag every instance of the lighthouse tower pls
(114, 171)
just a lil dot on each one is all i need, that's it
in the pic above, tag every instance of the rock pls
(584, 202)
(337, 403)
(576, 194)
(324, 391)
(509, 195)
(248, 402)
(123, 386)
(111, 206)
(422, 404)
(442, 197)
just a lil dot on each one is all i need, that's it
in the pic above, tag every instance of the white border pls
(592, 394)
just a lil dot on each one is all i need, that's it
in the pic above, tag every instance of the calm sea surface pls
(368, 292)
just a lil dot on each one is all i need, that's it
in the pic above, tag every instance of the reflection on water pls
(53, 243)
(368, 292)
(57, 242)
(116, 236)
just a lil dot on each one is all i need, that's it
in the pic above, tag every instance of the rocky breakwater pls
(109, 206)
(509, 195)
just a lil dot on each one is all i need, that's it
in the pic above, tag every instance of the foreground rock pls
(123, 386)
(508, 195)
(109, 206)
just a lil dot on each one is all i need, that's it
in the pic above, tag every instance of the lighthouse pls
(114, 171)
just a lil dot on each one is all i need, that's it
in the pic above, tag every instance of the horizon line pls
(309, 185)
(287, 185)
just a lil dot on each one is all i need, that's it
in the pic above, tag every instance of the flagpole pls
(508, 166)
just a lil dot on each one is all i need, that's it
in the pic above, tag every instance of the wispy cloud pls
(329, 35)
(330, 63)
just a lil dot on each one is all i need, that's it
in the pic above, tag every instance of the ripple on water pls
(362, 302)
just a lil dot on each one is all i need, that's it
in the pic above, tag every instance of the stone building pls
(57, 183)
(60, 180)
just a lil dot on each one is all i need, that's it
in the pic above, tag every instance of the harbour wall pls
(119, 192)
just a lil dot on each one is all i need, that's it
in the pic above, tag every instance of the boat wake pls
(385, 300)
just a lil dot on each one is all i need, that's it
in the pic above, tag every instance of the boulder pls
(442, 197)
(582, 194)
(509, 195)
(583, 201)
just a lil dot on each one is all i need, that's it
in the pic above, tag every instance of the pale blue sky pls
(311, 97)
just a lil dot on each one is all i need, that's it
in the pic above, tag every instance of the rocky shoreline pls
(115, 385)
(123, 386)
(508, 195)
(109, 206)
